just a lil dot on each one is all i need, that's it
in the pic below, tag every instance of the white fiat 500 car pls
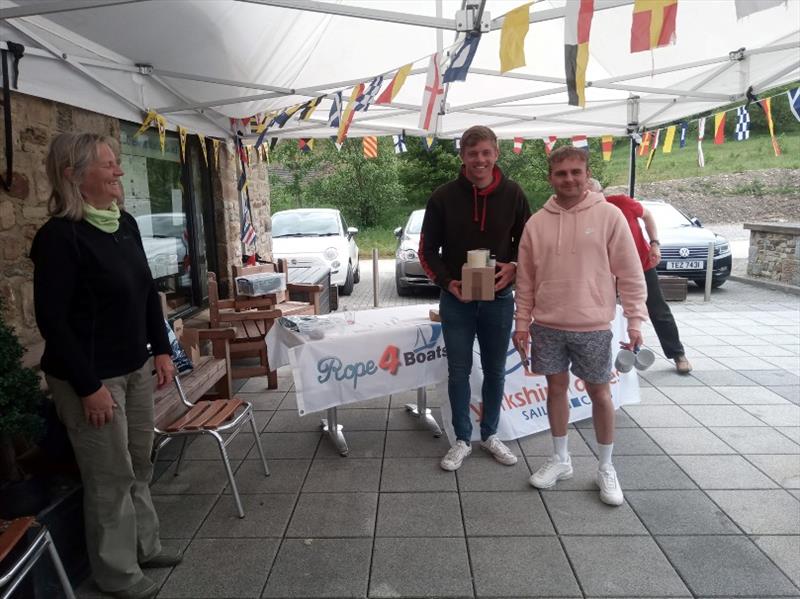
(306, 234)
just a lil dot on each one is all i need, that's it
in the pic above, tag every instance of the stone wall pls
(774, 252)
(23, 209)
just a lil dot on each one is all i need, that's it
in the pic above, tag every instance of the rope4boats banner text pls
(524, 407)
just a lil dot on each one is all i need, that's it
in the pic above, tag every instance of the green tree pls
(294, 173)
(421, 171)
(367, 191)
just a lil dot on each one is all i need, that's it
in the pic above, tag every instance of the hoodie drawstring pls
(558, 238)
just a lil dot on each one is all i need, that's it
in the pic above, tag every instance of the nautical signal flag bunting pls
(653, 24)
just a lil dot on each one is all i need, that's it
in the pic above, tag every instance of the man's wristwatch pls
(655, 242)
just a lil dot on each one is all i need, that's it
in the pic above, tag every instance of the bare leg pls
(602, 411)
(557, 405)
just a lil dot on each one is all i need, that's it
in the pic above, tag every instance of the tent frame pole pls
(633, 126)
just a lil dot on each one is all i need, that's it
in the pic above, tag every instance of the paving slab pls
(541, 444)
(330, 568)
(286, 476)
(521, 567)
(198, 477)
(688, 441)
(788, 415)
(334, 515)
(627, 441)
(206, 447)
(483, 473)
(693, 395)
(661, 416)
(650, 472)
(416, 444)
(725, 566)
(773, 377)
(180, 516)
(721, 378)
(784, 551)
(723, 472)
(750, 440)
(419, 515)
(722, 416)
(679, 513)
(221, 568)
(783, 469)
(265, 516)
(362, 444)
(343, 475)
(623, 567)
(753, 395)
(582, 512)
(761, 512)
(415, 474)
(287, 445)
(505, 513)
(420, 567)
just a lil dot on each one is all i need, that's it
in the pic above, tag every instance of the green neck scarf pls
(105, 220)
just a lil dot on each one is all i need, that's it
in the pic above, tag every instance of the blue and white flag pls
(368, 97)
(461, 59)
(399, 143)
(336, 110)
(794, 101)
(742, 124)
(684, 132)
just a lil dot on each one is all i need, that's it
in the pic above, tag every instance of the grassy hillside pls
(730, 157)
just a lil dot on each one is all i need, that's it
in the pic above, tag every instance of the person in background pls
(480, 209)
(574, 254)
(97, 310)
(650, 254)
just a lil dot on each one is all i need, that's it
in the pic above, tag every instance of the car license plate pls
(685, 265)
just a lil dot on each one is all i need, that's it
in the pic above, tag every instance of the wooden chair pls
(279, 300)
(12, 533)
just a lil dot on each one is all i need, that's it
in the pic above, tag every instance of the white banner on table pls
(379, 358)
(524, 406)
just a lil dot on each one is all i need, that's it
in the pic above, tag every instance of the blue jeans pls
(491, 321)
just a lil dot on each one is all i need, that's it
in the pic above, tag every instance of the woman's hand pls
(99, 407)
(165, 369)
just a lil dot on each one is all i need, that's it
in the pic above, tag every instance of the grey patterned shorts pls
(553, 350)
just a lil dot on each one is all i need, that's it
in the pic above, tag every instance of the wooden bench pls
(288, 307)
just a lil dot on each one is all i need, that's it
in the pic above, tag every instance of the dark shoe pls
(144, 589)
(682, 365)
(169, 556)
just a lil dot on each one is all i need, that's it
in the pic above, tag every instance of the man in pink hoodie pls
(574, 255)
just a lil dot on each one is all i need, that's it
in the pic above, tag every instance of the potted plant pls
(21, 400)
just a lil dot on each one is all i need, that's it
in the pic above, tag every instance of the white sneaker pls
(455, 455)
(551, 472)
(610, 491)
(499, 451)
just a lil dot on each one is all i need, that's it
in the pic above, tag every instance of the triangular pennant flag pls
(272, 143)
(215, 152)
(338, 145)
(286, 114)
(512, 38)
(306, 144)
(719, 128)
(148, 120)
(369, 144)
(653, 149)
(309, 107)
(644, 148)
(335, 115)
(607, 145)
(653, 24)
(429, 113)
(794, 101)
(766, 106)
(580, 141)
(399, 143)
(393, 88)
(182, 135)
(701, 132)
(742, 124)
(428, 142)
(549, 142)
(202, 139)
(364, 101)
(577, 26)
(684, 133)
(461, 59)
(518, 145)
(668, 139)
(347, 116)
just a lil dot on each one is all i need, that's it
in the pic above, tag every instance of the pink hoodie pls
(569, 262)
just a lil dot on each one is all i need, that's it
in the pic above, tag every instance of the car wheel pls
(357, 274)
(347, 288)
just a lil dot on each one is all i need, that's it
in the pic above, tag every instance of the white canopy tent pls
(199, 62)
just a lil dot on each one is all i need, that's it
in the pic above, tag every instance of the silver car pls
(408, 273)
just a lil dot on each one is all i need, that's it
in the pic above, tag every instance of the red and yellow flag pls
(607, 145)
(370, 146)
(653, 24)
(644, 148)
(766, 105)
(577, 26)
(347, 117)
(719, 128)
(394, 87)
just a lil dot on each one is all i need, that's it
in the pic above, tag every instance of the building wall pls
(23, 209)
(775, 252)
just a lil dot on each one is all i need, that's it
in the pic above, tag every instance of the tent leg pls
(632, 168)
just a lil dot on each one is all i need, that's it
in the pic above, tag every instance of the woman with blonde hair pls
(97, 309)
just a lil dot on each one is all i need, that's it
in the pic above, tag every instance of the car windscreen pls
(305, 224)
(414, 225)
(668, 217)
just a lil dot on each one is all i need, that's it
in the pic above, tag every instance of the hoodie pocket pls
(575, 302)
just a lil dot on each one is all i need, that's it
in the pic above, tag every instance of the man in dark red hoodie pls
(650, 255)
(480, 209)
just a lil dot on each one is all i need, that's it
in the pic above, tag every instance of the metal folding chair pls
(12, 532)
